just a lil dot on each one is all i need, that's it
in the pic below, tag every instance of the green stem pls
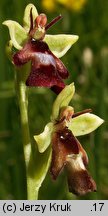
(22, 97)
(23, 105)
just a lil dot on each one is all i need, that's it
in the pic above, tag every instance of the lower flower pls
(67, 152)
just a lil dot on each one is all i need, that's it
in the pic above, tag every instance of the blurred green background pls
(87, 62)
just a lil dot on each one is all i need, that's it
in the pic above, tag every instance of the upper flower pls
(42, 50)
(66, 150)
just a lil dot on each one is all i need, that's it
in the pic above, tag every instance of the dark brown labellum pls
(67, 152)
(63, 145)
(68, 139)
(46, 69)
(79, 180)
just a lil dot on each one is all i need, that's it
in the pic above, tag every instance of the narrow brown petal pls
(31, 21)
(79, 180)
(53, 22)
(82, 112)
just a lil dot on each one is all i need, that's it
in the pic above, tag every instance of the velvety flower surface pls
(67, 152)
(46, 69)
(41, 50)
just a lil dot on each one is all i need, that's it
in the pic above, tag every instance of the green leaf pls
(43, 140)
(26, 19)
(84, 124)
(38, 171)
(17, 33)
(62, 100)
(60, 44)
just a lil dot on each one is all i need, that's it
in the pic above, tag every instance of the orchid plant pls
(35, 56)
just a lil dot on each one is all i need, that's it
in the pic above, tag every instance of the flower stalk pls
(23, 100)
(22, 95)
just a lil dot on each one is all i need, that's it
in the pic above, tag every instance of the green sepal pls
(84, 124)
(26, 19)
(43, 140)
(18, 35)
(60, 44)
(62, 100)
